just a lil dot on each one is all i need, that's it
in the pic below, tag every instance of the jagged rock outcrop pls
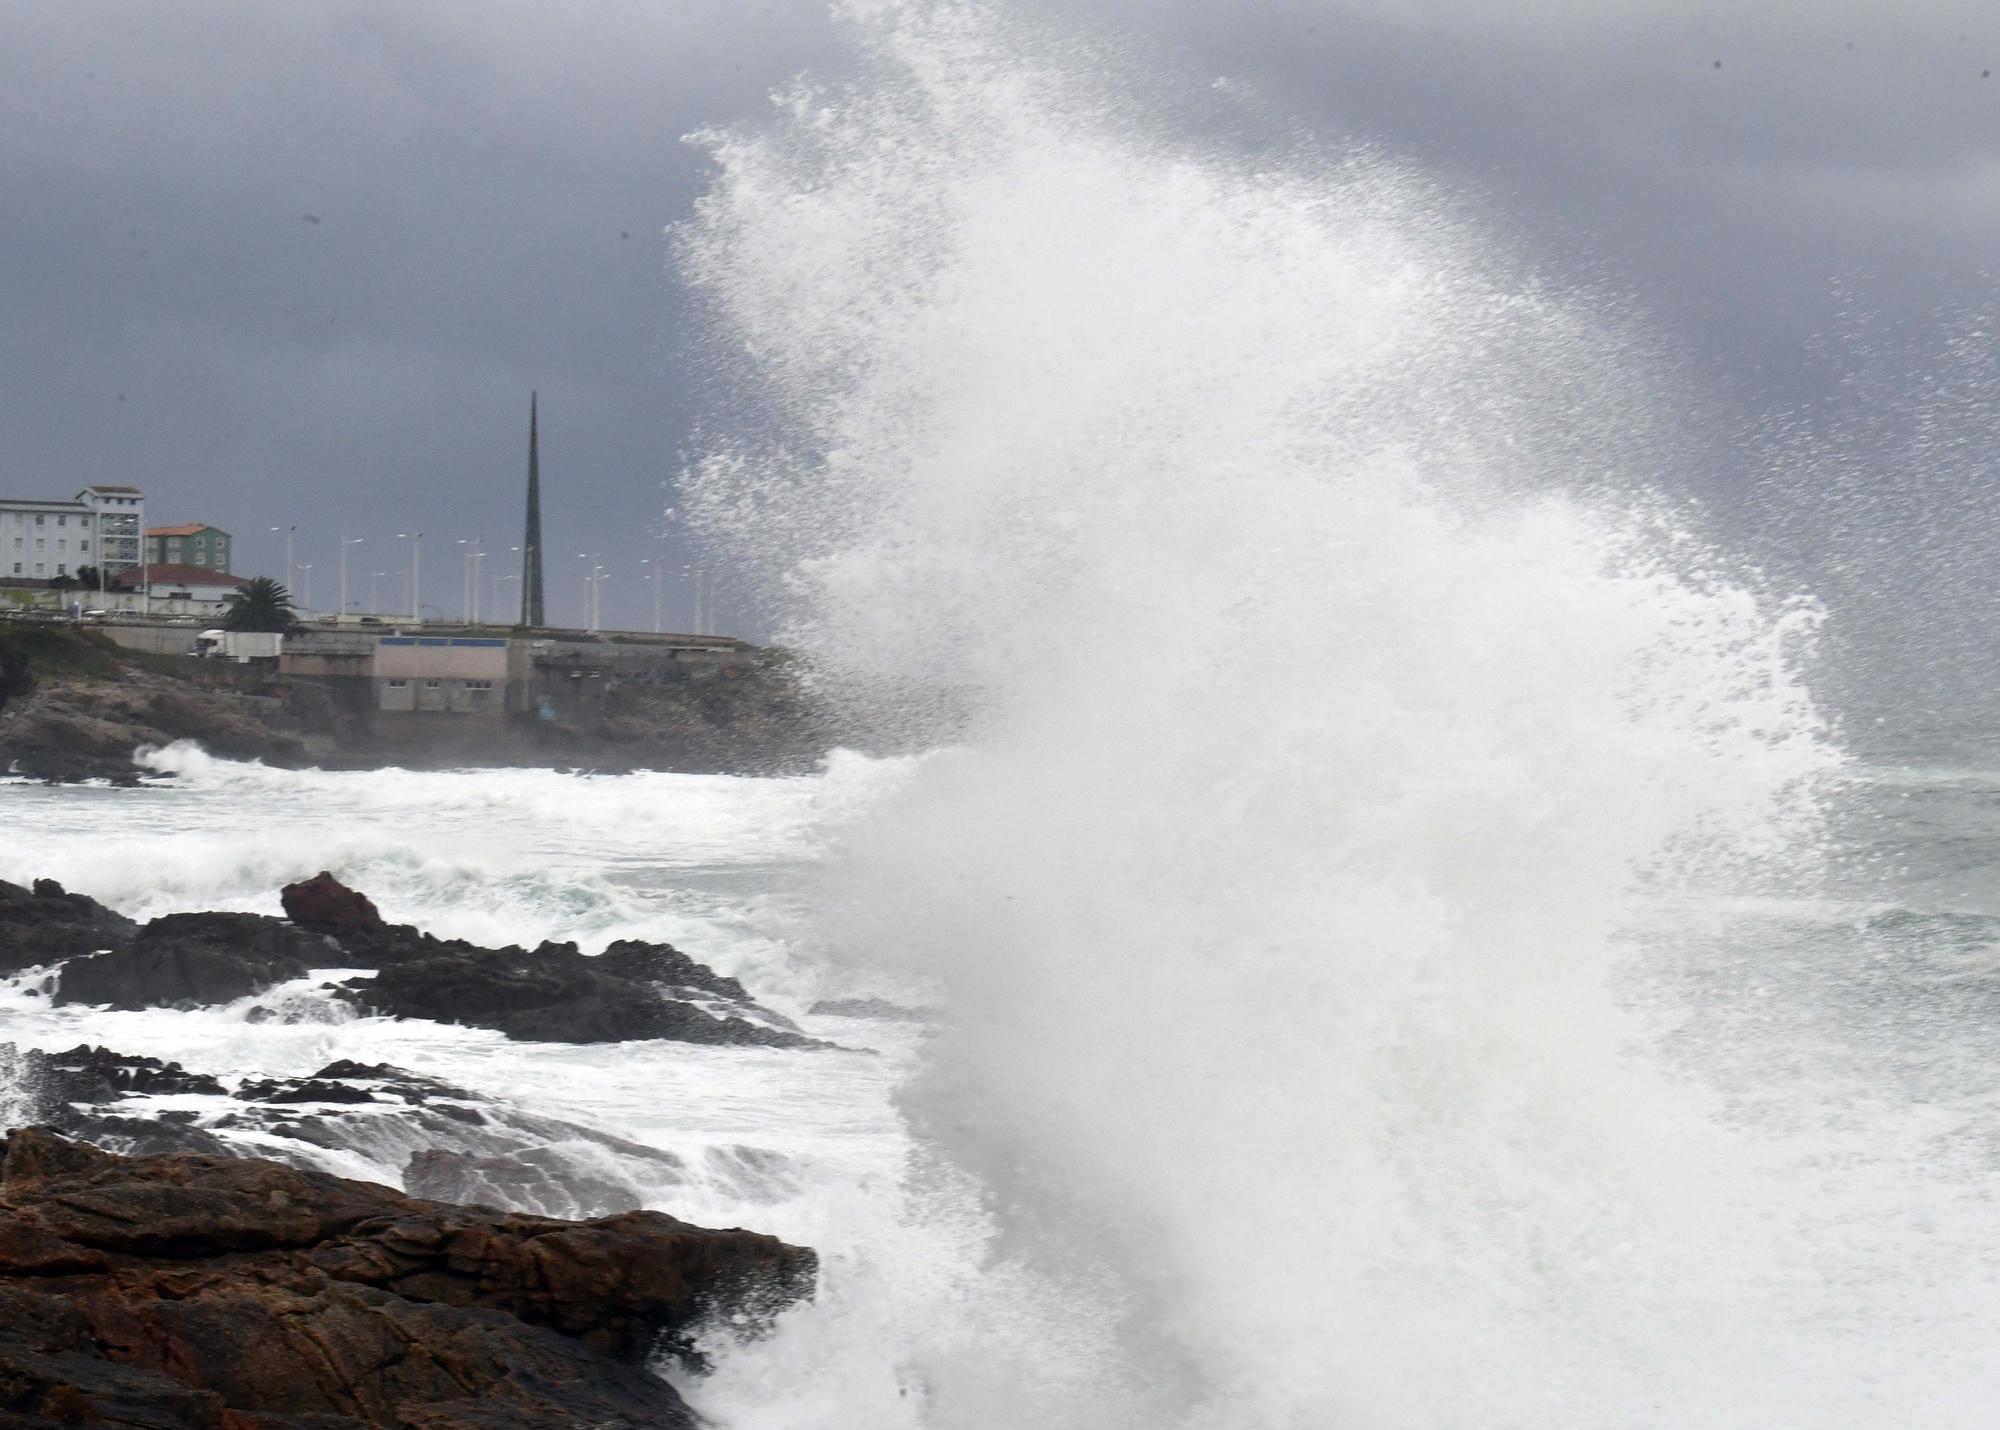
(201, 1291)
(667, 966)
(46, 924)
(552, 993)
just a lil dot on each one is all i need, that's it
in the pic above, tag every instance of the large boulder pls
(202, 1291)
(324, 902)
(47, 924)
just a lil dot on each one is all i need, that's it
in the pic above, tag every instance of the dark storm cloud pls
(302, 262)
(1734, 164)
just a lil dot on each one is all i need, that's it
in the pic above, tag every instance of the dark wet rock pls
(551, 994)
(193, 960)
(153, 1136)
(46, 924)
(204, 1291)
(89, 1092)
(667, 966)
(87, 1074)
(303, 1090)
(878, 1008)
(324, 902)
(66, 767)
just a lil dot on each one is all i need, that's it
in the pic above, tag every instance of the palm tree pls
(260, 604)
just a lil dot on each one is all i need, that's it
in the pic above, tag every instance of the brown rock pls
(222, 1292)
(324, 901)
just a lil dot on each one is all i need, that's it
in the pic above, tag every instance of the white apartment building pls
(40, 540)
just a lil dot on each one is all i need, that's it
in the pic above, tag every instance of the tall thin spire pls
(531, 541)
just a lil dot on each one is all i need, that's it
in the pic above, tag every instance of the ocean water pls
(1766, 1201)
(1409, 948)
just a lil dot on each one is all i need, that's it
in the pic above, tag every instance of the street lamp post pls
(307, 599)
(416, 573)
(474, 556)
(345, 542)
(466, 600)
(656, 569)
(499, 610)
(288, 530)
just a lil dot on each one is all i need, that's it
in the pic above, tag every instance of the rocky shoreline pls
(153, 1274)
(75, 707)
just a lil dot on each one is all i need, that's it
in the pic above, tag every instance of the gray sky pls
(302, 262)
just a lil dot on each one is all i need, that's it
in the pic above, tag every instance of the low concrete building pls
(406, 682)
(457, 675)
(174, 590)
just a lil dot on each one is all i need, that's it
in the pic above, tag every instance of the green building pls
(193, 544)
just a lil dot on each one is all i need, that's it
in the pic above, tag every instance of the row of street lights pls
(654, 571)
(473, 554)
(304, 592)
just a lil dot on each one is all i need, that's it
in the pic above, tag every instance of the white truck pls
(239, 646)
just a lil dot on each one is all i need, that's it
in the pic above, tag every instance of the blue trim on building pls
(482, 642)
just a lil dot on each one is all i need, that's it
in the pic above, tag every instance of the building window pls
(62, 521)
(38, 518)
(478, 685)
(432, 684)
(84, 547)
(399, 684)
